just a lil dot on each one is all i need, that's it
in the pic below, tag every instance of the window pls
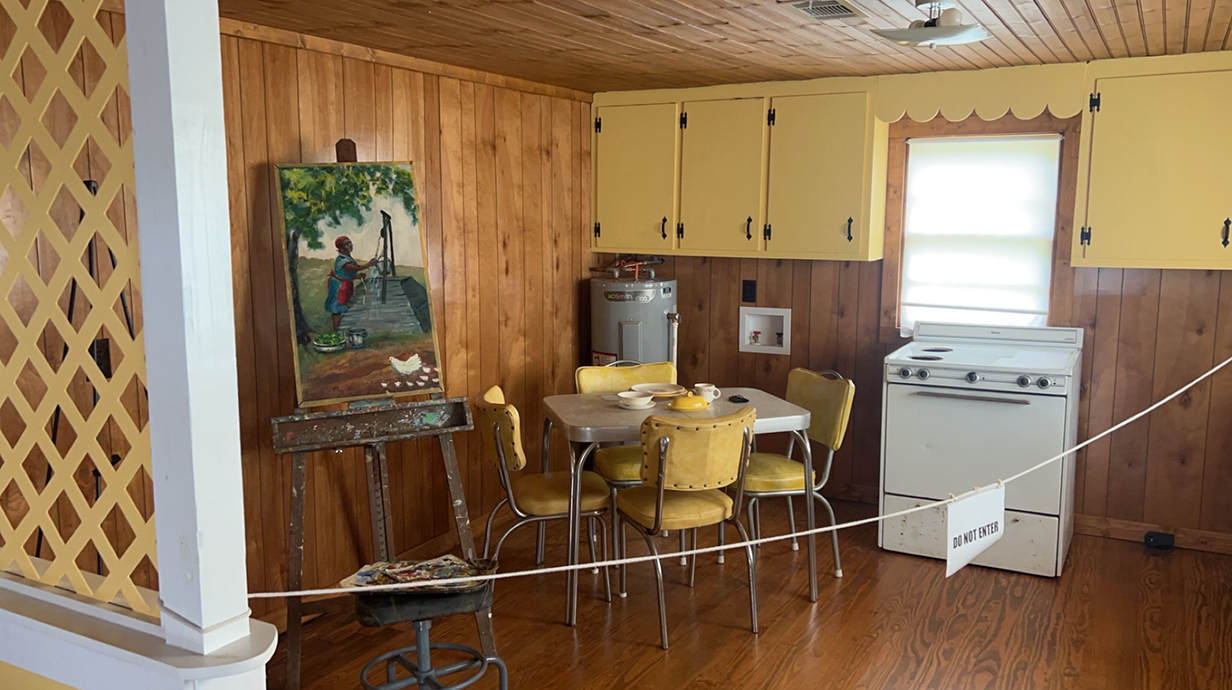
(979, 218)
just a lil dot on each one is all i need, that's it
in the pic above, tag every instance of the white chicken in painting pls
(408, 366)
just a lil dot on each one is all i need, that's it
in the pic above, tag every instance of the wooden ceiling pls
(609, 45)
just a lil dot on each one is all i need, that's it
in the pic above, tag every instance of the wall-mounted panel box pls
(765, 330)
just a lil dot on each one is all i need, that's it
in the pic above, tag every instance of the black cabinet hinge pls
(765, 232)
(770, 117)
(596, 229)
(1084, 236)
(684, 120)
(1094, 102)
(679, 231)
(598, 124)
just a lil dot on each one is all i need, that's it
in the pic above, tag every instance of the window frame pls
(1061, 287)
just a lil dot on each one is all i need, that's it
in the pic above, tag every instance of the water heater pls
(633, 320)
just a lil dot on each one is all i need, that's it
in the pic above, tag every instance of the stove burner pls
(926, 358)
(938, 349)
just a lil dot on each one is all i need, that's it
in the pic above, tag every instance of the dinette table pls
(587, 420)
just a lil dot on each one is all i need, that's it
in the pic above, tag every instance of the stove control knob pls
(923, 374)
(1044, 382)
(973, 377)
(1024, 381)
(905, 372)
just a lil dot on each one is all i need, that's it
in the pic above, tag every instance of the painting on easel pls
(357, 282)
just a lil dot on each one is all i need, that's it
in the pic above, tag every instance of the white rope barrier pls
(373, 589)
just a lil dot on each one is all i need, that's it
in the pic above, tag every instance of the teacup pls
(635, 400)
(708, 391)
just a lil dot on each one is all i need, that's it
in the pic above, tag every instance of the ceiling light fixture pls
(944, 27)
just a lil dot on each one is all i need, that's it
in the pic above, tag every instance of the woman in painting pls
(342, 280)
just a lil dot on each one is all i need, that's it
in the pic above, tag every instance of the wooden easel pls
(370, 425)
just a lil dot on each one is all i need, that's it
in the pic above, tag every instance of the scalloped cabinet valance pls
(1152, 183)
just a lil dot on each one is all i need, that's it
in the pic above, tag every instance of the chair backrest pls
(491, 409)
(616, 379)
(701, 455)
(828, 396)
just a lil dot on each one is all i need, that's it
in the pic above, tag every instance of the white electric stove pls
(964, 406)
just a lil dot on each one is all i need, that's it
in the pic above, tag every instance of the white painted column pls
(179, 145)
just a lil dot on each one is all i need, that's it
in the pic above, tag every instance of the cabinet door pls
(1160, 182)
(819, 157)
(720, 176)
(635, 178)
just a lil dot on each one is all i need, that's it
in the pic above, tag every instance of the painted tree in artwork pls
(313, 197)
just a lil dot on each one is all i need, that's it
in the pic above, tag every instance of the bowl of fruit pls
(329, 342)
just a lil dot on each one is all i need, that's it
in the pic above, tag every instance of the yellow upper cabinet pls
(1159, 191)
(722, 149)
(635, 178)
(827, 178)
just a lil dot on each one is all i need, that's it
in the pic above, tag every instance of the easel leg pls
(462, 522)
(295, 569)
(379, 509)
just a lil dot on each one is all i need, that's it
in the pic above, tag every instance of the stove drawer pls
(1030, 543)
(942, 441)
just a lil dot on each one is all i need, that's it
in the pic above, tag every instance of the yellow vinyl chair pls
(686, 467)
(828, 397)
(533, 498)
(620, 466)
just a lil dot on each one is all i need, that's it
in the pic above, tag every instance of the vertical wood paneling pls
(503, 183)
(1217, 471)
(1134, 386)
(1184, 349)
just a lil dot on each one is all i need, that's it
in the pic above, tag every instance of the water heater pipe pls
(673, 328)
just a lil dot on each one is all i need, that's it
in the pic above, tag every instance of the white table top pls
(599, 419)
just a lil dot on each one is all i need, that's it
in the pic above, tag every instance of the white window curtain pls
(979, 225)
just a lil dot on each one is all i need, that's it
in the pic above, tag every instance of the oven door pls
(942, 441)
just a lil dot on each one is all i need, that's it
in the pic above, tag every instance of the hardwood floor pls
(1121, 617)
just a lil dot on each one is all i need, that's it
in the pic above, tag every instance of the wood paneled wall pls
(1148, 332)
(504, 183)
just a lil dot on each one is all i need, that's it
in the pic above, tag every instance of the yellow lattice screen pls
(74, 449)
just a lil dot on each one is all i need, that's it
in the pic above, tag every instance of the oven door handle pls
(974, 398)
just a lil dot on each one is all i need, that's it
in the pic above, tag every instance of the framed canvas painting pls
(357, 282)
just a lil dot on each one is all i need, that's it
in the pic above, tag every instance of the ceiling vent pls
(825, 10)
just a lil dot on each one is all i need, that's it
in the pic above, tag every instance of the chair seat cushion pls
(774, 472)
(548, 493)
(389, 608)
(681, 509)
(620, 463)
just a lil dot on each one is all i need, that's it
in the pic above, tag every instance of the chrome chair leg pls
(755, 519)
(658, 566)
(838, 565)
(693, 558)
(542, 539)
(590, 543)
(624, 550)
(684, 560)
(615, 518)
(607, 579)
(791, 524)
(748, 554)
(487, 533)
(722, 541)
(500, 543)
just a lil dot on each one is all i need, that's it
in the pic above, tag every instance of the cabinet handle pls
(748, 230)
(849, 229)
(663, 227)
(1227, 227)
